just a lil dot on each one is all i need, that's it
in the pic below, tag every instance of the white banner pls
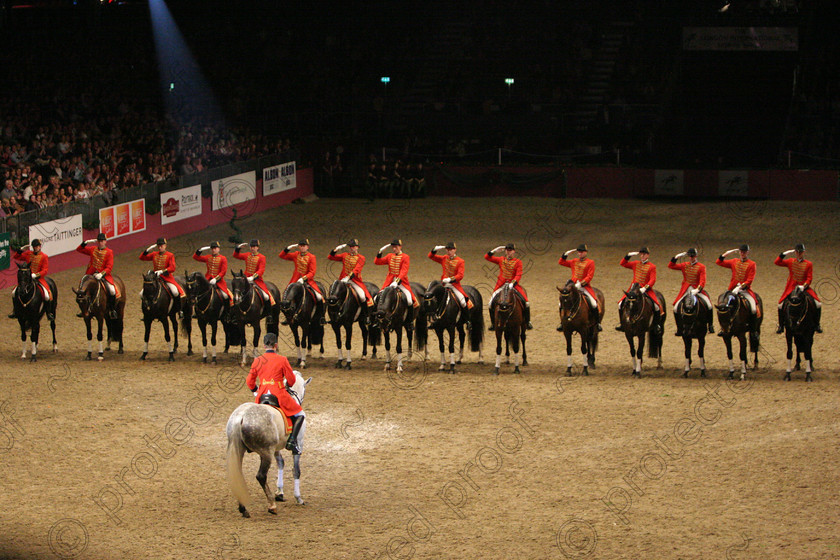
(58, 236)
(279, 178)
(180, 204)
(668, 182)
(740, 38)
(733, 183)
(234, 190)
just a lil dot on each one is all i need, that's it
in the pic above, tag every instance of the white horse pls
(261, 429)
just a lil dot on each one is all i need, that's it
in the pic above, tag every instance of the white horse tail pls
(235, 452)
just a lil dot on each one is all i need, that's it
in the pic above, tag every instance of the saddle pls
(271, 400)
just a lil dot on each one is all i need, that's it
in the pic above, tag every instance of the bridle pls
(84, 293)
(196, 298)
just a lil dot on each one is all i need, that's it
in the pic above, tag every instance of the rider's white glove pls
(510, 285)
(569, 251)
(159, 272)
(98, 275)
(251, 278)
(643, 289)
(789, 252)
(439, 247)
(301, 280)
(446, 280)
(340, 247)
(737, 289)
(730, 251)
(90, 241)
(25, 246)
(34, 276)
(679, 255)
(207, 248)
(345, 279)
(633, 254)
(150, 247)
(578, 285)
(694, 291)
(242, 245)
(499, 248)
(382, 249)
(292, 246)
(395, 283)
(213, 281)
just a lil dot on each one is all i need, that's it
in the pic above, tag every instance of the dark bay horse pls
(345, 307)
(638, 319)
(445, 315)
(800, 322)
(509, 322)
(392, 314)
(576, 316)
(208, 308)
(159, 304)
(92, 298)
(249, 308)
(695, 317)
(734, 318)
(302, 312)
(29, 305)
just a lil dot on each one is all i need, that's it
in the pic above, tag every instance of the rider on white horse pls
(270, 374)
(694, 283)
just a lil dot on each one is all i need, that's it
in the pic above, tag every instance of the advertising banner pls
(180, 204)
(279, 178)
(234, 190)
(58, 236)
(123, 219)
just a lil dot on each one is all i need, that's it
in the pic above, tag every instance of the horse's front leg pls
(364, 330)
(89, 337)
(570, 361)
(789, 341)
(33, 336)
(742, 354)
(22, 338)
(243, 341)
(808, 341)
(631, 340)
(452, 349)
(441, 347)
(257, 332)
(640, 353)
(169, 339)
(462, 336)
(281, 465)
(701, 353)
(386, 334)
(52, 327)
(336, 327)
(498, 350)
(99, 325)
(349, 345)
(523, 335)
(399, 350)
(687, 344)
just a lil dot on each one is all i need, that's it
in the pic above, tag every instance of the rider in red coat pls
(510, 272)
(398, 264)
(217, 266)
(305, 266)
(255, 268)
(351, 269)
(801, 273)
(583, 271)
(743, 274)
(100, 266)
(39, 266)
(164, 267)
(268, 378)
(694, 279)
(644, 274)
(453, 272)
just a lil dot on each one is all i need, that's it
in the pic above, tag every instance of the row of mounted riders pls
(448, 306)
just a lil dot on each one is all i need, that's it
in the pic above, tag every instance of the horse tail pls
(235, 451)
(476, 319)
(593, 344)
(115, 328)
(655, 345)
(421, 331)
(374, 335)
(316, 332)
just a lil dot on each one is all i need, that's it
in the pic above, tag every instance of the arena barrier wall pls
(154, 229)
(613, 182)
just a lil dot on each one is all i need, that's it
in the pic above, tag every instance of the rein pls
(209, 294)
(572, 314)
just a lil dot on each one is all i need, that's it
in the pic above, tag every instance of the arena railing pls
(19, 224)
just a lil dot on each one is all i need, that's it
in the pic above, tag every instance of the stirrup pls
(600, 328)
(13, 316)
(492, 327)
(780, 329)
(50, 316)
(291, 445)
(560, 328)
(619, 328)
(818, 328)
(529, 326)
(113, 314)
(678, 333)
(711, 329)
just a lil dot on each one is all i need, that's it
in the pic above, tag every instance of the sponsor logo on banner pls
(279, 178)
(5, 250)
(123, 219)
(106, 222)
(668, 182)
(180, 204)
(58, 236)
(234, 190)
(733, 183)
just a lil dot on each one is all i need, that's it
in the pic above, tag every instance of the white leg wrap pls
(297, 488)
(570, 361)
(498, 360)
(687, 364)
(35, 349)
(790, 365)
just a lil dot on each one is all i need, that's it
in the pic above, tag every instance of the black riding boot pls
(112, 307)
(679, 325)
(527, 318)
(51, 310)
(818, 328)
(181, 305)
(291, 443)
(711, 324)
(410, 315)
(781, 327)
(321, 312)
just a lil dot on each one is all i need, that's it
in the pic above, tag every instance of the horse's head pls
(386, 305)
(689, 303)
(797, 295)
(240, 287)
(87, 294)
(150, 286)
(24, 279)
(434, 296)
(298, 390)
(632, 301)
(196, 284)
(567, 295)
(727, 307)
(338, 291)
(292, 300)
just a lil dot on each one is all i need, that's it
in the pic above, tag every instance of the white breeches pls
(592, 303)
(750, 300)
(461, 299)
(358, 289)
(407, 294)
(172, 289)
(111, 289)
(701, 296)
